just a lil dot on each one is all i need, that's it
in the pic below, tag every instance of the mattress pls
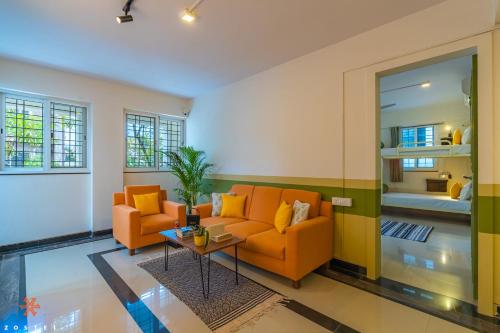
(432, 202)
(427, 151)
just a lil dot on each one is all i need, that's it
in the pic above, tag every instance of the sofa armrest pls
(126, 224)
(176, 210)
(309, 244)
(204, 210)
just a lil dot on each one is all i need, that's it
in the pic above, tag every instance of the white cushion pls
(467, 136)
(300, 211)
(466, 192)
(217, 203)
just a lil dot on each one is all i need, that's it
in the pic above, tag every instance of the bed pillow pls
(467, 136)
(217, 203)
(300, 211)
(455, 190)
(466, 192)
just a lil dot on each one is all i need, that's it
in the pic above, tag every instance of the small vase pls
(199, 240)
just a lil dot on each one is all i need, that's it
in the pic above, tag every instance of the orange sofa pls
(301, 249)
(134, 231)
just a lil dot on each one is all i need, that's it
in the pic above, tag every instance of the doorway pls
(428, 171)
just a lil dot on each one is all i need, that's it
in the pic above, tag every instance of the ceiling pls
(446, 85)
(232, 39)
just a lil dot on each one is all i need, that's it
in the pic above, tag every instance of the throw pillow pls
(283, 217)
(467, 136)
(233, 205)
(455, 190)
(466, 192)
(147, 204)
(217, 203)
(300, 211)
(457, 137)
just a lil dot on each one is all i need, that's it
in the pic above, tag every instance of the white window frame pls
(47, 139)
(157, 117)
(416, 168)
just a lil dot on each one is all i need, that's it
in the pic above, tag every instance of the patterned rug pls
(414, 232)
(229, 305)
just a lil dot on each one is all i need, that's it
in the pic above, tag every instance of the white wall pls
(454, 114)
(288, 120)
(84, 201)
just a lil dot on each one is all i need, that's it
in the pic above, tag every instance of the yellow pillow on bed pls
(455, 190)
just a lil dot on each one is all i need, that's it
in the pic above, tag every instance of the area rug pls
(414, 232)
(229, 306)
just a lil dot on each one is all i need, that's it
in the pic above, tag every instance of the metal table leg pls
(165, 259)
(236, 262)
(205, 295)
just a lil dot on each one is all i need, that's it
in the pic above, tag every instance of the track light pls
(126, 9)
(189, 14)
(124, 18)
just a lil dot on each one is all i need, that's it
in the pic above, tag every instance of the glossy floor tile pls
(75, 297)
(443, 264)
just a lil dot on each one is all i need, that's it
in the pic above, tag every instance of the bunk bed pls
(429, 203)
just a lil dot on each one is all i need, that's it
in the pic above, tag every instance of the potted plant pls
(201, 236)
(190, 167)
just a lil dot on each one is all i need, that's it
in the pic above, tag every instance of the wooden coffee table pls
(200, 251)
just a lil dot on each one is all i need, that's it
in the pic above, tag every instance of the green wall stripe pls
(366, 202)
(488, 213)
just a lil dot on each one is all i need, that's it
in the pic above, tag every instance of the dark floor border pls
(348, 267)
(139, 311)
(37, 244)
(456, 311)
(124, 292)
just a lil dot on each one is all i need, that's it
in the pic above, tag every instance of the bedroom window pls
(149, 137)
(421, 136)
(41, 135)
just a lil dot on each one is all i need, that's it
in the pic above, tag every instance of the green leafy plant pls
(190, 167)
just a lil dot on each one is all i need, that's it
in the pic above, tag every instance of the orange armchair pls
(135, 231)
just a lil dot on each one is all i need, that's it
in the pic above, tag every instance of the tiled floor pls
(443, 264)
(74, 297)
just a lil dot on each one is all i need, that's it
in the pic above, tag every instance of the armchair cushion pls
(141, 189)
(156, 223)
(147, 204)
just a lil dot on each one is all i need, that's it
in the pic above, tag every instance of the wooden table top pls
(189, 243)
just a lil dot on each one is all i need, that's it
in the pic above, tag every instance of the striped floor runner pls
(414, 232)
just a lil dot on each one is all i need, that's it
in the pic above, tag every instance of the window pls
(67, 127)
(418, 137)
(40, 134)
(149, 138)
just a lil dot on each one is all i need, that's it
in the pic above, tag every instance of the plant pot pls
(199, 240)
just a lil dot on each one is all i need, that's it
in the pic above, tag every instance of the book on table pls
(184, 232)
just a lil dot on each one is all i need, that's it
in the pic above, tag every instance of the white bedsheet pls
(440, 203)
(427, 151)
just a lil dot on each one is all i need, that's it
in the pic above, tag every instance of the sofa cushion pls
(245, 229)
(270, 243)
(265, 203)
(141, 189)
(217, 219)
(244, 190)
(233, 205)
(312, 198)
(156, 223)
(147, 204)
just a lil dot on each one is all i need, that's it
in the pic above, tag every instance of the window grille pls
(171, 138)
(140, 141)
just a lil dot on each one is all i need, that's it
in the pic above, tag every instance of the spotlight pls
(188, 16)
(426, 84)
(124, 18)
(126, 9)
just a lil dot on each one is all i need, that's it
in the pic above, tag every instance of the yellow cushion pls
(233, 205)
(147, 204)
(457, 137)
(455, 190)
(283, 217)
